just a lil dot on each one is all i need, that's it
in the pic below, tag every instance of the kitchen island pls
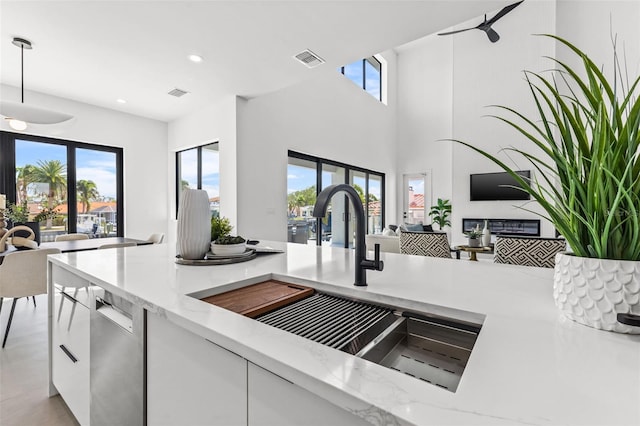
(529, 365)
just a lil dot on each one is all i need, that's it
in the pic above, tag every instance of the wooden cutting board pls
(257, 299)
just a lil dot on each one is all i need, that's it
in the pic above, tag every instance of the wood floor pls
(24, 387)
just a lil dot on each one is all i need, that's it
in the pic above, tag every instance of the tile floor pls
(24, 388)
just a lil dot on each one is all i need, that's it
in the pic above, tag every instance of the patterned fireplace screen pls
(523, 227)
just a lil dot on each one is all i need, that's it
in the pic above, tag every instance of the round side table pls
(473, 250)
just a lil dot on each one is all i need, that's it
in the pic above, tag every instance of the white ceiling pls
(99, 51)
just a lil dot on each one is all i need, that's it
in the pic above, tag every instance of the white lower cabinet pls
(276, 401)
(191, 381)
(70, 353)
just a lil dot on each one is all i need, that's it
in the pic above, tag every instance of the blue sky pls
(98, 166)
(353, 72)
(210, 172)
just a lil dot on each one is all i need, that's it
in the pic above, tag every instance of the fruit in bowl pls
(228, 245)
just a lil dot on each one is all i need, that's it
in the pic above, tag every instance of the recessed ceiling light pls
(195, 58)
(121, 101)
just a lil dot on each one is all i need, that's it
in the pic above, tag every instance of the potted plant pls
(228, 245)
(220, 226)
(18, 214)
(440, 213)
(222, 243)
(475, 237)
(46, 214)
(588, 183)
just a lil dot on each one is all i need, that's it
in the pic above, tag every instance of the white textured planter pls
(593, 291)
(194, 224)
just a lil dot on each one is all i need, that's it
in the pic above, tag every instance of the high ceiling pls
(99, 51)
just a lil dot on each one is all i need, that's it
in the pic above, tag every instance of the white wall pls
(425, 115)
(144, 142)
(328, 117)
(445, 85)
(492, 74)
(215, 122)
(594, 25)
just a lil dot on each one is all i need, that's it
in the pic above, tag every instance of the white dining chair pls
(23, 274)
(156, 238)
(71, 237)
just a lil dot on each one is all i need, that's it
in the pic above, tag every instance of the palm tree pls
(24, 176)
(54, 174)
(87, 192)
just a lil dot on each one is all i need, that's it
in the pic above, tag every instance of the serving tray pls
(213, 259)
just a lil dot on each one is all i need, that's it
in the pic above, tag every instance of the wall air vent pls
(309, 58)
(178, 92)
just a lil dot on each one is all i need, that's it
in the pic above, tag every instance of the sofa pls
(388, 243)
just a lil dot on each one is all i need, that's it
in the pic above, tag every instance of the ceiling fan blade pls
(493, 36)
(503, 12)
(457, 31)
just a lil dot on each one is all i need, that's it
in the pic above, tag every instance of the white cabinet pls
(70, 343)
(191, 381)
(276, 401)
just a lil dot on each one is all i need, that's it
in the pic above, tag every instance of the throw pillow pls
(414, 228)
(427, 228)
(394, 228)
(388, 232)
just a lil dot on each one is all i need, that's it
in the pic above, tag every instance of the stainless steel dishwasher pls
(117, 379)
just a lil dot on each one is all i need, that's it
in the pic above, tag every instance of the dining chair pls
(528, 251)
(432, 244)
(116, 245)
(71, 237)
(23, 274)
(156, 238)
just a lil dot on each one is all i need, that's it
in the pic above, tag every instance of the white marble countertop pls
(530, 365)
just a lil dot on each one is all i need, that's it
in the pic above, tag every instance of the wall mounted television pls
(497, 186)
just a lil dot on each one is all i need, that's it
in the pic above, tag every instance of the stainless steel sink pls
(428, 347)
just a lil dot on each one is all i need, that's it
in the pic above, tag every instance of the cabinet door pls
(276, 401)
(191, 381)
(70, 354)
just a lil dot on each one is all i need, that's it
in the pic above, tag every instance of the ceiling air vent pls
(178, 92)
(309, 58)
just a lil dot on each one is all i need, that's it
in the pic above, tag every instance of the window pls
(366, 73)
(199, 168)
(305, 174)
(81, 183)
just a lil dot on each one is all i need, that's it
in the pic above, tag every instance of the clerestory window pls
(366, 73)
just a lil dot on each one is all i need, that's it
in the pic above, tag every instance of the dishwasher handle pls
(113, 314)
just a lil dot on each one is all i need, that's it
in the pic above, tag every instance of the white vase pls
(486, 234)
(593, 291)
(194, 224)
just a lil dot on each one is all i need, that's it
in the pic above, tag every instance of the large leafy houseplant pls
(440, 213)
(587, 134)
(588, 175)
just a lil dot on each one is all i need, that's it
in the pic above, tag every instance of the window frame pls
(8, 177)
(178, 180)
(347, 178)
(375, 63)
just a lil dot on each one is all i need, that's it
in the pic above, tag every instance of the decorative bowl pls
(228, 249)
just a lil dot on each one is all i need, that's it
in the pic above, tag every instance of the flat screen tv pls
(498, 186)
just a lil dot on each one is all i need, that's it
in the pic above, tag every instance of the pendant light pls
(20, 115)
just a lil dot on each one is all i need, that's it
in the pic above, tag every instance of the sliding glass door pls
(306, 177)
(66, 186)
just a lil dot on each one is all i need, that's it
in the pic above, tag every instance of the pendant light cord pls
(22, 70)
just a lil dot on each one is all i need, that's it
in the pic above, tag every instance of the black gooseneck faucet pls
(362, 263)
